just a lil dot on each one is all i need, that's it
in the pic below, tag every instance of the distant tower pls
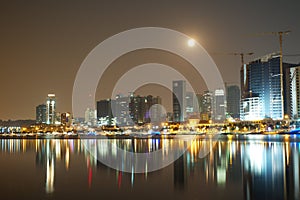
(50, 109)
(90, 117)
(104, 111)
(41, 114)
(219, 106)
(233, 100)
(156, 111)
(179, 100)
(122, 111)
(205, 105)
(192, 104)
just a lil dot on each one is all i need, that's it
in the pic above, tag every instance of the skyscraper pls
(262, 79)
(192, 104)
(295, 92)
(41, 114)
(90, 116)
(137, 108)
(104, 111)
(219, 107)
(179, 100)
(155, 111)
(66, 119)
(121, 111)
(205, 105)
(233, 101)
(244, 78)
(50, 109)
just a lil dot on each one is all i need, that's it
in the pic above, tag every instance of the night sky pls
(42, 45)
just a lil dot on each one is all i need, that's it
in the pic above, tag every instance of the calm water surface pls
(226, 168)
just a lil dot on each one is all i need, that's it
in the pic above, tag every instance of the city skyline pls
(150, 99)
(44, 44)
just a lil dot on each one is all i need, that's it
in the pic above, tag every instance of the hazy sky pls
(42, 45)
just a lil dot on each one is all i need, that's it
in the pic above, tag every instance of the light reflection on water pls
(249, 169)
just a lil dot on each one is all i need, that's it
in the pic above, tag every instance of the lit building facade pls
(128, 111)
(244, 79)
(251, 109)
(121, 111)
(57, 120)
(155, 109)
(51, 109)
(90, 116)
(205, 105)
(261, 79)
(179, 100)
(219, 106)
(295, 92)
(192, 105)
(66, 119)
(104, 112)
(138, 108)
(41, 111)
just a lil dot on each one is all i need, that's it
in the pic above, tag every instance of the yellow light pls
(191, 42)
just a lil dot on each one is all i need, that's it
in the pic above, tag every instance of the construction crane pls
(242, 56)
(292, 55)
(280, 34)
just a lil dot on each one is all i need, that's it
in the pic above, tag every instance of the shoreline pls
(221, 136)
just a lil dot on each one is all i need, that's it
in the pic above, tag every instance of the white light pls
(191, 42)
(219, 92)
(51, 95)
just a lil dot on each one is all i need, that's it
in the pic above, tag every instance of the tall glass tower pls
(219, 106)
(179, 100)
(263, 82)
(41, 114)
(233, 101)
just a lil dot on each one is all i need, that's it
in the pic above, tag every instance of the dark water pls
(251, 168)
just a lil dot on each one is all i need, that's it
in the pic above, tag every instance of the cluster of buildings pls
(138, 110)
(128, 110)
(269, 89)
(47, 114)
(211, 105)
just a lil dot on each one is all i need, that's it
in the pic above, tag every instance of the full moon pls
(191, 42)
